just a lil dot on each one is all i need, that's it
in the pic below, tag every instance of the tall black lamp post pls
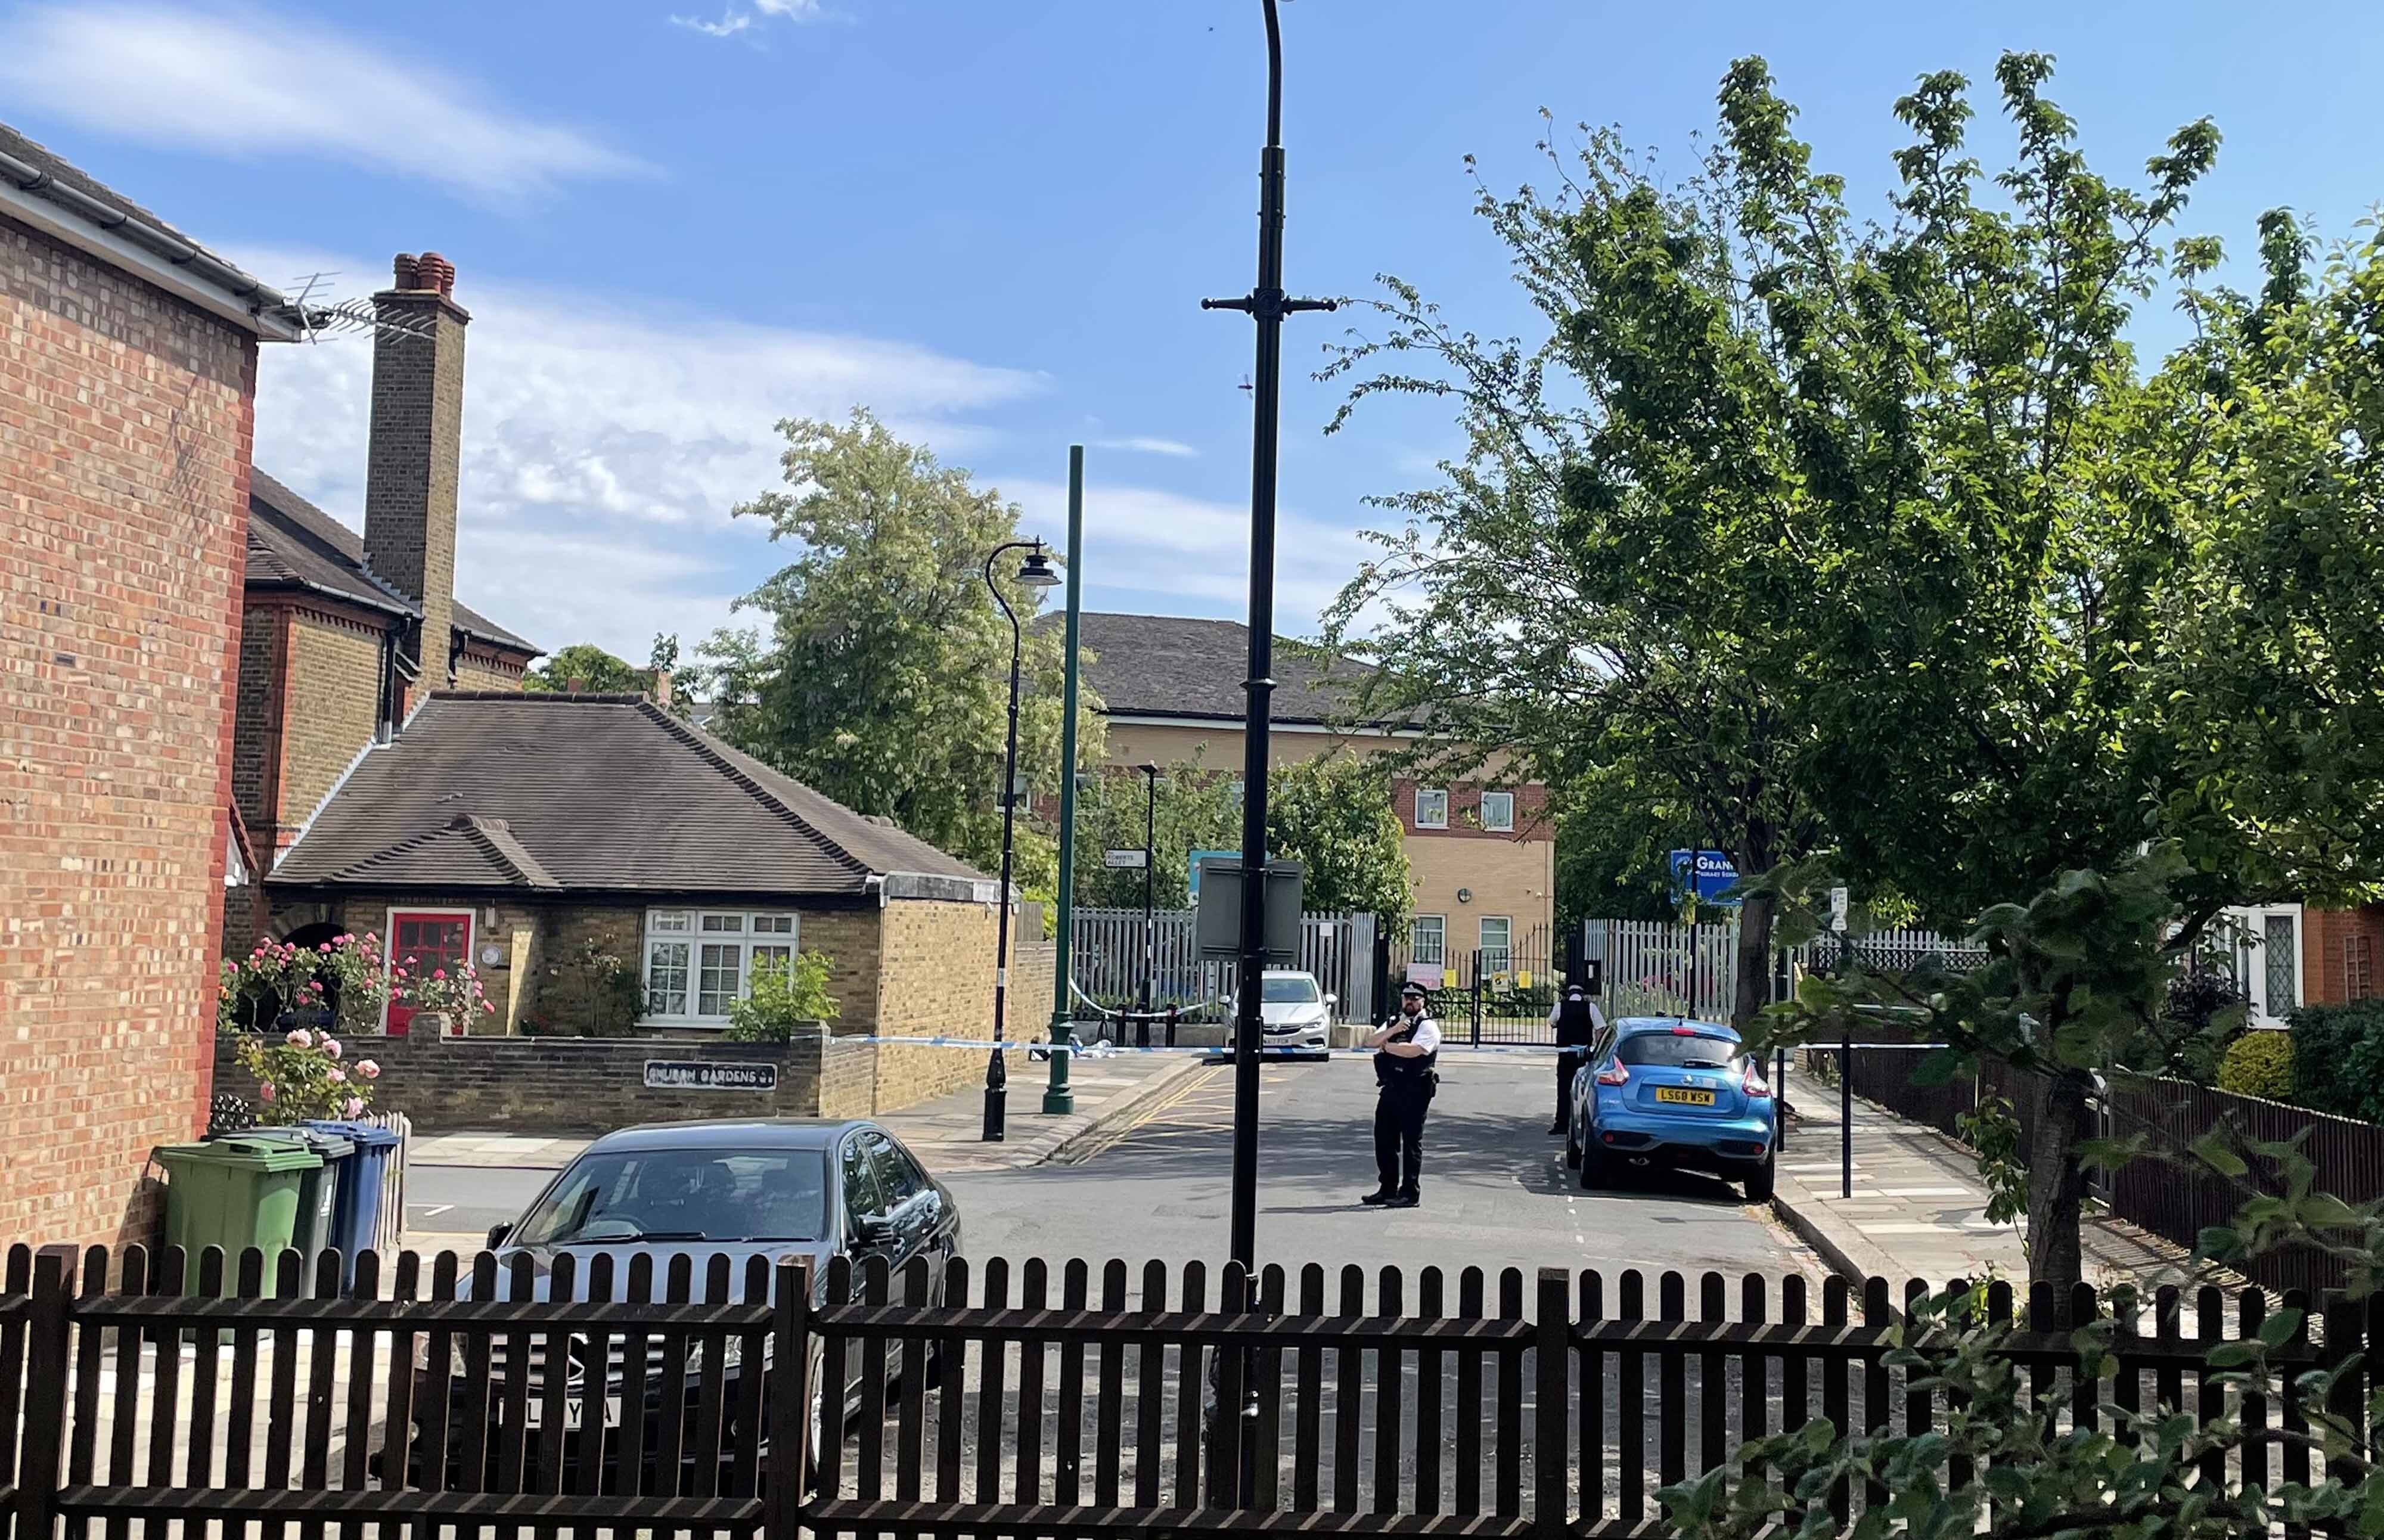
(1149, 914)
(1035, 572)
(1267, 304)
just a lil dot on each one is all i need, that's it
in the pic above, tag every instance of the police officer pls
(1578, 1024)
(1406, 1053)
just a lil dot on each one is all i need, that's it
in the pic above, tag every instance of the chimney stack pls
(414, 462)
(662, 688)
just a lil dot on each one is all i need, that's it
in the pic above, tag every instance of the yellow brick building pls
(1480, 853)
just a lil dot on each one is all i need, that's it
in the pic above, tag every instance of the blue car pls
(1665, 1091)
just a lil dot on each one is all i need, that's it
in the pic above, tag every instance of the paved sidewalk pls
(946, 1132)
(1919, 1208)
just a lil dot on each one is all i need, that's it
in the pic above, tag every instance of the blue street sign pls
(1198, 857)
(1714, 873)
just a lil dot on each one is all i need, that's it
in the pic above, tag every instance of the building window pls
(1432, 807)
(1498, 812)
(698, 962)
(2282, 960)
(1498, 945)
(1428, 940)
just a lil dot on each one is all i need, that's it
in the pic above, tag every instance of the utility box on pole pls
(1217, 927)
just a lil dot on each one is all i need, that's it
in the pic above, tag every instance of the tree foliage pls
(592, 668)
(880, 676)
(1331, 815)
(1881, 539)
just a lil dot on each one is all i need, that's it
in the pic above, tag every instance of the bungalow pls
(538, 834)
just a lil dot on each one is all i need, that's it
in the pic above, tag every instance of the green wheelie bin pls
(235, 1193)
(318, 1194)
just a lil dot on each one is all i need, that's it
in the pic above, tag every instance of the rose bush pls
(300, 1076)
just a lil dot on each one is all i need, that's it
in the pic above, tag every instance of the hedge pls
(2337, 1059)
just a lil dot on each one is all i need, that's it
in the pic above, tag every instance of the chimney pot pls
(576, 686)
(405, 277)
(434, 271)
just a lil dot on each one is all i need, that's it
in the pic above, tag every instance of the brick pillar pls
(414, 462)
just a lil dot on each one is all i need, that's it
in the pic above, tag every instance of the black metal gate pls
(1488, 995)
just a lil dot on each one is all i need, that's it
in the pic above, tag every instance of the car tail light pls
(1685, 1032)
(1614, 1074)
(1754, 1085)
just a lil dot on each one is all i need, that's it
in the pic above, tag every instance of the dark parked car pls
(742, 1189)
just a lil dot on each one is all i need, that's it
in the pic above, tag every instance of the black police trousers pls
(1398, 1134)
(1568, 1063)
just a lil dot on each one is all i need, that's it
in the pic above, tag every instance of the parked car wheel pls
(1593, 1169)
(1759, 1184)
(1572, 1150)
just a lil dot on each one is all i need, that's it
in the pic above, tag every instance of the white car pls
(1294, 1015)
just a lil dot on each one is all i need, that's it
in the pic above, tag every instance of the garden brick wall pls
(125, 430)
(587, 1085)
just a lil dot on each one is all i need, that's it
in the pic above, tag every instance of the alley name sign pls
(703, 1074)
(1126, 859)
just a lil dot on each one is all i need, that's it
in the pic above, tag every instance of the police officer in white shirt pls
(1406, 1052)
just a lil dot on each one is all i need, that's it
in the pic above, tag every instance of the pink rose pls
(339, 1076)
(490, 1009)
(344, 939)
(259, 952)
(331, 1046)
(370, 1070)
(354, 1107)
(324, 946)
(301, 1037)
(265, 1091)
(397, 973)
(438, 972)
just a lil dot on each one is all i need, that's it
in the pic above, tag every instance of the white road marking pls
(431, 1211)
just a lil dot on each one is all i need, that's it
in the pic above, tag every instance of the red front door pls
(421, 943)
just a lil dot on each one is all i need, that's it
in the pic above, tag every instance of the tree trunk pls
(2056, 1182)
(1753, 959)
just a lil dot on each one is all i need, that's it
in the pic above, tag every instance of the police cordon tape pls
(1103, 1049)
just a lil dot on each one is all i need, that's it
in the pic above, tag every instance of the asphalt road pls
(467, 1199)
(1495, 1189)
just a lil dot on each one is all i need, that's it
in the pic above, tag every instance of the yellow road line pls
(1110, 1137)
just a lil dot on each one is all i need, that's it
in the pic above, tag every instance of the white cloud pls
(1191, 552)
(733, 20)
(603, 446)
(245, 83)
(1139, 444)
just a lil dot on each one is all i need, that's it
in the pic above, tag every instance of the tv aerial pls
(318, 318)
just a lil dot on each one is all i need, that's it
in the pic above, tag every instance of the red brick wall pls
(125, 428)
(2342, 954)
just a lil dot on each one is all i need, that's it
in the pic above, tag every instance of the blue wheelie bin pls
(356, 1213)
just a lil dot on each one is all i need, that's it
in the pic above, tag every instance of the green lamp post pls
(1058, 1097)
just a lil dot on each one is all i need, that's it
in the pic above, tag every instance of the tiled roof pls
(563, 793)
(293, 542)
(1167, 665)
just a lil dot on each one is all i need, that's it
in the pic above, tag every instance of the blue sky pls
(992, 220)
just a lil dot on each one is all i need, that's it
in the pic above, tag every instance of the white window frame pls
(1501, 960)
(1507, 823)
(1415, 950)
(1442, 821)
(471, 918)
(688, 931)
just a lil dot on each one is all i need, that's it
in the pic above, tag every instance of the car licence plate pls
(534, 1412)
(1686, 1096)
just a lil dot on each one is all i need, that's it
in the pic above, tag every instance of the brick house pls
(2289, 954)
(519, 831)
(128, 376)
(343, 633)
(1482, 853)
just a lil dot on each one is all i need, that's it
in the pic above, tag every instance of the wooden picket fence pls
(1026, 1399)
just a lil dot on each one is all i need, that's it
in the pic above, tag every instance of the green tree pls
(881, 674)
(597, 671)
(1195, 809)
(1332, 814)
